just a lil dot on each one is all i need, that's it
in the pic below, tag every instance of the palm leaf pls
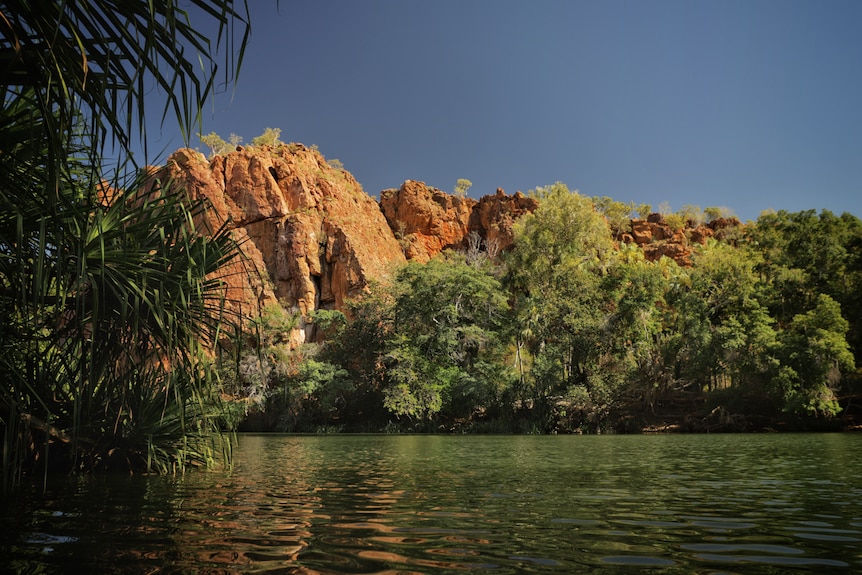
(106, 307)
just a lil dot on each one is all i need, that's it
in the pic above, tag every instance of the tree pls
(815, 354)
(446, 339)
(461, 187)
(728, 333)
(617, 213)
(664, 209)
(215, 143)
(713, 213)
(692, 214)
(643, 211)
(565, 231)
(806, 254)
(637, 332)
(675, 222)
(559, 253)
(270, 137)
(103, 284)
(359, 347)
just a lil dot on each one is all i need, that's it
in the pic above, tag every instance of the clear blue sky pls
(748, 104)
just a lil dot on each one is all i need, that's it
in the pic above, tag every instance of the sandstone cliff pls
(312, 237)
(493, 217)
(427, 221)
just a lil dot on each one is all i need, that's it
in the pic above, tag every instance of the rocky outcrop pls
(657, 239)
(312, 238)
(427, 221)
(493, 217)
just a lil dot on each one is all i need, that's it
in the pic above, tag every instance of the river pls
(387, 504)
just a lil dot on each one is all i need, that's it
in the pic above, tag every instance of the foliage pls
(643, 211)
(554, 271)
(447, 320)
(217, 146)
(108, 290)
(815, 353)
(461, 187)
(675, 222)
(128, 298)
(714, 213)
(565, 232)
(618, 214)
(692, 215)
(568, 333)
(804, 255)
(270, 137)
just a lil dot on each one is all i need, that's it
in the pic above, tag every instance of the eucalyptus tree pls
(806, 254)
(444, 352)
(638, 329)
(108, 288)
(815, 356)
(718, 314)
(560, 252)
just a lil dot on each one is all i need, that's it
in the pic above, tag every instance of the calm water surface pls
(447, 504)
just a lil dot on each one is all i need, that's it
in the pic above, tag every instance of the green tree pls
(215, 143)
(804, 255)
(728, 333)
(637, 332)
(445, 341)
(270, 137)
(617, 213)
(676, 222)
(461, 187)
(714, 213)
(359, 347)
(815, 354)
(103, 285)
(643, 211)
(564, 232)
(554, 271)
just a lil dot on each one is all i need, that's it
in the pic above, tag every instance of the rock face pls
(313, 237)
(427, 221)
(493, 217)
(657, 239)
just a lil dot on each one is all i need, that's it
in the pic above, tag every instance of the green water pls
(705, 504)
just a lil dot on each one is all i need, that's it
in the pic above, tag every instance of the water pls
(707, 504)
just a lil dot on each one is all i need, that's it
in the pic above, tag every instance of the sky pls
(745, 104)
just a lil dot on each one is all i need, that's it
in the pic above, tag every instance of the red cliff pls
(314, 237)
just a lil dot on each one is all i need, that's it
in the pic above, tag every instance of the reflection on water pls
(443, 504)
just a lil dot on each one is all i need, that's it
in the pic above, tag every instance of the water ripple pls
(433, 505)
